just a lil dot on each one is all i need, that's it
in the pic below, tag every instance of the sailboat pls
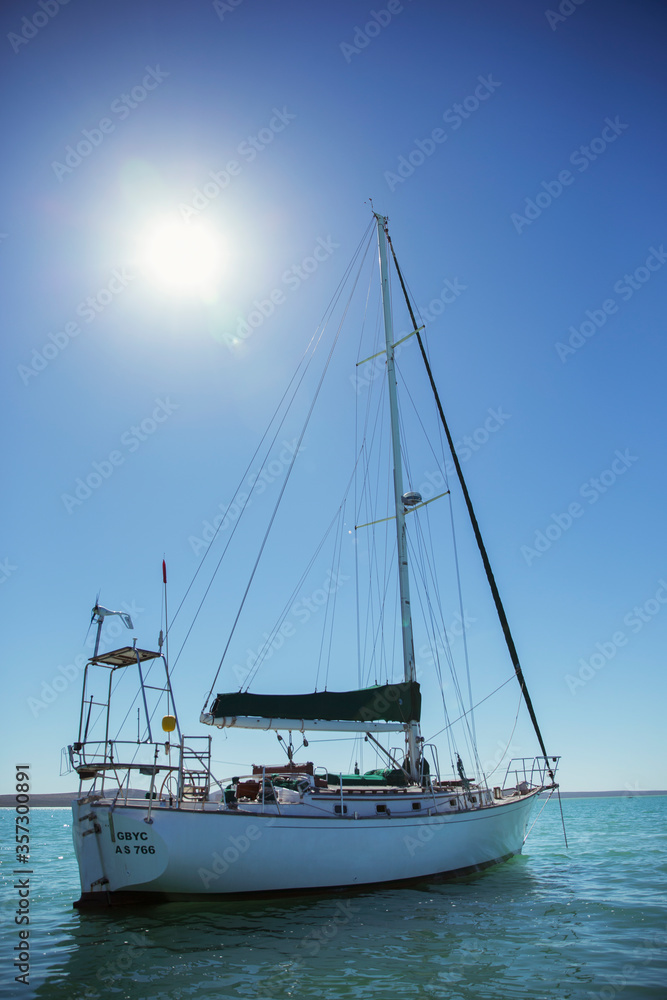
(293, 827)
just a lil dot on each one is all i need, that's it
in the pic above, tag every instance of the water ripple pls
(550, 925)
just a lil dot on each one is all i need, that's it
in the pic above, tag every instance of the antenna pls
(166, 626)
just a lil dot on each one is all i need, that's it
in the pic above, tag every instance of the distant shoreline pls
(621, 794)
(55, 800)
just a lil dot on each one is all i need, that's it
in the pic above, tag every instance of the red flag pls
(164, 571)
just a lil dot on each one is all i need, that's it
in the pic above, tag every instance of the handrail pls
(527, 769)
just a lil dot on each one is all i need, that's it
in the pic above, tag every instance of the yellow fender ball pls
(169, 723)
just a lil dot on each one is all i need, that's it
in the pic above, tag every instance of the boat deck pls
(350, 802)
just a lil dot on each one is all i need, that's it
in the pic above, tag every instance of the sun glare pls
(182, 258)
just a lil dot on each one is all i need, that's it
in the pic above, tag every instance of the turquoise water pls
(590, 921)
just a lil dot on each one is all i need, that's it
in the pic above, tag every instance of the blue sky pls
(519, 156)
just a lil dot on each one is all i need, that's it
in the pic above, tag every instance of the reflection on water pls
(420, 941)
(550, 924)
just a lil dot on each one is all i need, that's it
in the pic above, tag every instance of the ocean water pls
(589, 921)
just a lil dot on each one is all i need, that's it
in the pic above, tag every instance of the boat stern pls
(114, 851)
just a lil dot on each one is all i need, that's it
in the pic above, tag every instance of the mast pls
(412, 730)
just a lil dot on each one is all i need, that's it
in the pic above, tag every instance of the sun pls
(181, 258)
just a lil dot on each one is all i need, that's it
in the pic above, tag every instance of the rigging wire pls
(476, 705)
(287, 475)
(303, 366)
(336, 519)
(450, 661)
(369, 491)
(248, 468)
(463, 626)
(500, 610)
(359, 449)
(339, 541)
(504, 753)
(288, 604)
(418, 416)
(244, 506)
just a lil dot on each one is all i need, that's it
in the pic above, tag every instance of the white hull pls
(194, 853)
